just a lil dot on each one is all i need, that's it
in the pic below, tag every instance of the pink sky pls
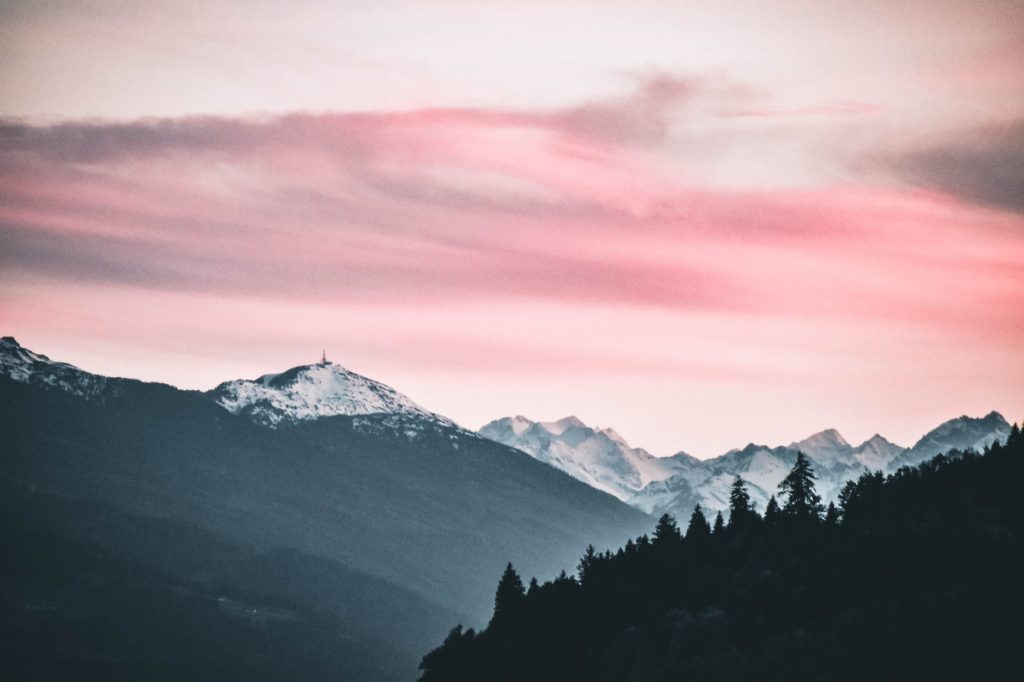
(703, 224)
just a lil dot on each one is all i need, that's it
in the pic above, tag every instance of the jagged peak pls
(830, 436)
(28, 367)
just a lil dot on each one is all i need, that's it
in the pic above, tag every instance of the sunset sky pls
(700, 223)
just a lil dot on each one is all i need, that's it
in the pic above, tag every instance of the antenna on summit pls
(323, 359)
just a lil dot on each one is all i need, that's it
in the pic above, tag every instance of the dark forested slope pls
(344, 545)
(917, 575)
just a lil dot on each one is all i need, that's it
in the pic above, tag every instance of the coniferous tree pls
(699, 528)
(846, 494)
(666, 530)
(509, 594)
(585, 564)
(772, 511)
(719, 524)
(802, 500)
(741, 510)
(832, 515)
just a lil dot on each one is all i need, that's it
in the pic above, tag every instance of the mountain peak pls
(308, 392)
(599, 457)
(24, 366)
(822, 445)
(962, 433)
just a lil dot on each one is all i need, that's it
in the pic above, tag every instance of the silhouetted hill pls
(915, 576)
(364, 520)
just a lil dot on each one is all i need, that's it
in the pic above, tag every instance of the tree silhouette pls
(586, 562)
(666, 530)
(509, 594)
(741, 510)
(802, 500)
(719, 524)
(699, 528)
(832, 515)
(772, 511)
(913, 577)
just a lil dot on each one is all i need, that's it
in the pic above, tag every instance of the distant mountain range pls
(603, 459)
(312, 524)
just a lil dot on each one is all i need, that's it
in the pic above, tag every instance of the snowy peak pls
(877, 453)
(312, 391)
(22, 365)
(962, 433)
(824, 445)
(599, 457)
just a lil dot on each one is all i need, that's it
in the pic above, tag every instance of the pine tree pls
(699, 528)
(772, 511)
(847, 494)
(741, 510)
(509, 594)
(586, 563)
(832, 515)
(719, 524)
(802, 500)
(666, 530)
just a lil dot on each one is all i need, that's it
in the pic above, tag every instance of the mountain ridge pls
(395, 496)
(677, 483)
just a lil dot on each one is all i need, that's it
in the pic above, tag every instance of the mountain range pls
(312, 524)
(675, 484)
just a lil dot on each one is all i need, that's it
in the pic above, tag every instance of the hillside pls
(914, 576)
(366, 518)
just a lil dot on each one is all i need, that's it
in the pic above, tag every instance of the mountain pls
(360, 523)
(310, 392)
(917, 577)
(962, 433)
(22, 365)
(599, 457)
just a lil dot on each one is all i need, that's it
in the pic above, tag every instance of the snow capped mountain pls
(302, 393)
(962, 433)
(877, 453)
(824, 446)
(599, 457)
(22, 365)
(310, 392)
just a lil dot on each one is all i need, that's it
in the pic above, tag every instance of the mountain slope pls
(917, 578)
(602, 459)
(359, 491)
(963, 433)
(599, 457)
(310, 392)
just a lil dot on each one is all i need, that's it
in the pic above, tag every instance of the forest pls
(914, 575)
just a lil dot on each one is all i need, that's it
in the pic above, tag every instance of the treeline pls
(915, 575)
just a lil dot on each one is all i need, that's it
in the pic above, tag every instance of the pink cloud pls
(573, 241)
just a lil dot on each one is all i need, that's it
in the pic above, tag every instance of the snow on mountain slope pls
(312, 391)
(599, 457)
(962, 433)
(22, 365)
(824, 446)
(877, 453)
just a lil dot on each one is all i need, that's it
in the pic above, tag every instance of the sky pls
(702, 223)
